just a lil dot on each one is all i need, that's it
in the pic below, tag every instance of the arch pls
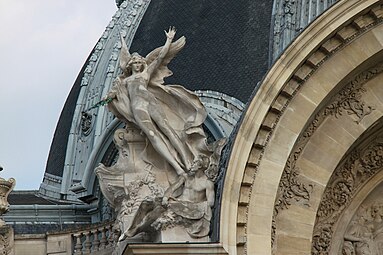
(341, 44)
(355, 184)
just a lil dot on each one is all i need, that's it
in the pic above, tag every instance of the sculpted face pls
(137, 66)
(200, 163)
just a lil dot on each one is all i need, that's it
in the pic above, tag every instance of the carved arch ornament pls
(313, 69)
(293, 190)
(348, 101)
(360, 166)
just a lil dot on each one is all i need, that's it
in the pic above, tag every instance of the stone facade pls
(320, 99)
(303, 174)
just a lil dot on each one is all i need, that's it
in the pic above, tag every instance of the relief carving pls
(6, 186)
(365, 232)
(293, 189)
(86, 123)
(6, 240)
(349, 177)
(6, 233)
(350, 101)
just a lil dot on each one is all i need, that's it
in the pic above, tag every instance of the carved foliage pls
(293, 189)
(349, 100)
(5, 240)
(346, 180)
(135, 190)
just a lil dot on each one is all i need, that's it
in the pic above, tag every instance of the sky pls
(43, 45)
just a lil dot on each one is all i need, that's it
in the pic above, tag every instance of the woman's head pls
(136, 64)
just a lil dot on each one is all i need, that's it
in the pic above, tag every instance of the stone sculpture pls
(365, 233)
(165, 172)
(6, 186)
(6, 232)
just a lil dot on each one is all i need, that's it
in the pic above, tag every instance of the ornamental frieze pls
(294, 189)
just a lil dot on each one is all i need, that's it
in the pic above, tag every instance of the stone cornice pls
(180, 249)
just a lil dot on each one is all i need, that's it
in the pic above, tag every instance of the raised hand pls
(171, 33)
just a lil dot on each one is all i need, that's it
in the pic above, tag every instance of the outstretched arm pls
(165, 49)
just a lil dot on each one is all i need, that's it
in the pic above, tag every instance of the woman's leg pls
(144, 121)
(160, 119)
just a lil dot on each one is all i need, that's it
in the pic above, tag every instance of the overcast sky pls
(43, 45)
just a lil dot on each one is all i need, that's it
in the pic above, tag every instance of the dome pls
(295, 85)
(230, 47)
(219, 56)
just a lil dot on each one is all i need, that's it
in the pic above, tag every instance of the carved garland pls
(359, 167)
(348, 100)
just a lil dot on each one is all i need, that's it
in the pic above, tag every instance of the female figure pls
(167, 115)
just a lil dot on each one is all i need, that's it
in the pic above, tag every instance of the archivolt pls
(340, 45)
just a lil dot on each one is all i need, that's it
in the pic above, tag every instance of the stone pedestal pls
(176, 249)
(178, 234)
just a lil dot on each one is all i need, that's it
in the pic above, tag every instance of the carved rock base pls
(152, 202)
